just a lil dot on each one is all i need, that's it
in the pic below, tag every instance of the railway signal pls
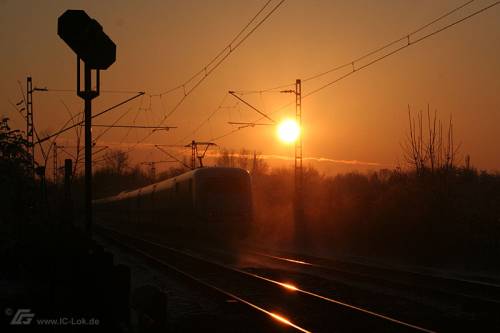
(87, 39)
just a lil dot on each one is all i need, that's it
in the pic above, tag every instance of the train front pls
(223, 199)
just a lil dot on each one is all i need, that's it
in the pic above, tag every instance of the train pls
(208, 201)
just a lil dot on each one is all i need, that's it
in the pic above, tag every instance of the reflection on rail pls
(280, 318)
(285, 259)
(352, 307)
(288, 286)
(292, 287)
(190, 276)
(281, 284)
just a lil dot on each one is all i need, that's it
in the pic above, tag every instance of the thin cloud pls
(216, 153)
(316, 159)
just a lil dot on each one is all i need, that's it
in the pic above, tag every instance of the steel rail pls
(281, 284)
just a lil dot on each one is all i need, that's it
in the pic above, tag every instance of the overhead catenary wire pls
(19, 112)
(172, 156)
(217, 109)
(124, 92)
(72, 117)
(113, 124)
(353, 62)
(137, 126)
(408, 43)
(141, 101)
(94, 116)
(208, 69)
(230, 49)
(251, 106)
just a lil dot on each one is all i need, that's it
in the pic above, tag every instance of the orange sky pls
(362, 118)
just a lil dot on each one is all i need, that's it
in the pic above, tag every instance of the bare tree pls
(413, 152)
(245, 159)
(432, 153)
(116, 161)
(259, 165)
(226, 158)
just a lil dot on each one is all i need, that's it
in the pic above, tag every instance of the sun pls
(288, 131)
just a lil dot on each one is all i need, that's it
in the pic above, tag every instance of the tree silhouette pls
(116, 161)
(431, 151)
(16, 196)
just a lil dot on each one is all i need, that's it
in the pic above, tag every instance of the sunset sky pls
(359, 121)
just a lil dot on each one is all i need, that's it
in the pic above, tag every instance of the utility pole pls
(68, 203)
(298, 195)
(152, 165)
(299, 177)
(55, 163)
(152, 170)
(193, 155)
(30, 126)
(194, 152)
(30, 147)
(254, 166)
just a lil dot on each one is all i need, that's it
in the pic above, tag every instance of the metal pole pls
(193, 155)
(298, 188)
(68, 204)
(29, 122)
(55, 163)
(88, 149)
(153, 171)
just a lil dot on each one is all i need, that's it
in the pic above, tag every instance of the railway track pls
(440, 303)
(280, 301)
(481, 291)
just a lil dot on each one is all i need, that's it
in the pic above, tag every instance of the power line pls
(268, 90)
(139, 108)
(409, 43)
(403, 38)
(226, 134)
(364, 56)
(214, 63)
(247, 124)
(94, 116)
(230, 49)
(114, 123)
(251, 106)
(408, 40)
(205, 69)
(219, 107)
(136, 126)
(172, 156)
(74, 91)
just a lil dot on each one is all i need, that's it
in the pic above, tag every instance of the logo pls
(22, 317)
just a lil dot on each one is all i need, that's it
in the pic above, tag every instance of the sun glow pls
(288, 131)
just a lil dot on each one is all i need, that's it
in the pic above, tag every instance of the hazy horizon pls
(363, 118)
